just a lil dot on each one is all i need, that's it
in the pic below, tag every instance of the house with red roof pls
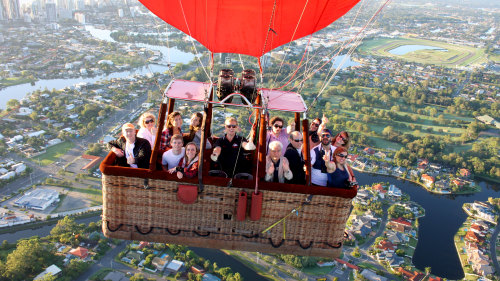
(474, 237)
(428, 180)
(386, 246)
(380, 189)
(464, 173)
(80, 252)
(369, 151)
(346, 264)
(412, 276)
(400, 225)
(478, 229)
(435, 279)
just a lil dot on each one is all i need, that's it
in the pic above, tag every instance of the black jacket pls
(142, 152)
(296, 165)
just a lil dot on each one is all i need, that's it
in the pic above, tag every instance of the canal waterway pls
(443, 218)
(401, 50)
(22, 90)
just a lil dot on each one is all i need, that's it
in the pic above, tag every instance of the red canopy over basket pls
(248, 27)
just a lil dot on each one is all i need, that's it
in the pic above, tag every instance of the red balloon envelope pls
(252, 27)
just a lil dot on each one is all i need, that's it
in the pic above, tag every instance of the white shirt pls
(146, 134)
(171, 160)
(317, 177)
(129, 152)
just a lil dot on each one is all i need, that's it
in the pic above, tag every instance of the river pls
(444, 216)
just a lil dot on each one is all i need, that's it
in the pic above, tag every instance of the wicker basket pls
(133, 212)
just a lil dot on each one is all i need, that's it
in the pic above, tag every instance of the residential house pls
(210, 277)
(52, 270)
(196, 269)
(174, 266)
(476, 258)
(116, 276)
(474, 237)
(380, 189)
(400, 224)
(412, 276)
(160, 263)
(482, 269)
(386, 246)
(435, 279)
(399, 170)
(369, 151)
(394, 191)
(372, 276)
(135, 255)
(428, 180)
(80, 252)
(464, 173)
(397, 238)
(394, 260)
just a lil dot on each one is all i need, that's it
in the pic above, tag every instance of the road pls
(493, 252)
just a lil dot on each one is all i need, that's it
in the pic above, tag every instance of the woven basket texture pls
(134, 213)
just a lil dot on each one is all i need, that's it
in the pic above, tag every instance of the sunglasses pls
(298, 140)
(325, 136)
(315, 124)
(149, 121)
(231, 126)
(342, 155)
(278, 126)
(344, 139)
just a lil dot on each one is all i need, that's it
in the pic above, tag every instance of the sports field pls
(455, 55)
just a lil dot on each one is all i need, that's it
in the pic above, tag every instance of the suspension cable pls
(370, 21)
(192, 42)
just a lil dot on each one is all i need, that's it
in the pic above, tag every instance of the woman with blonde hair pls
(148, 128)
(172, 127)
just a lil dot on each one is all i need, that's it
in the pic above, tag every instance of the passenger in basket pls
(172, 127)
(227, 151)
(339, 173)
(277, 133)
(171, 158)
(148, 128)
(318, 171)
(194, 134)
(131, 151)
(342, 139)
(188, 165)
(294, 155)
(317, 126)
(277, 166)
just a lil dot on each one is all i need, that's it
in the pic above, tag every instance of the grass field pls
(454, 56)
(53, 153)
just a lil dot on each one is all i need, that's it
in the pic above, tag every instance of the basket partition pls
(133, 212)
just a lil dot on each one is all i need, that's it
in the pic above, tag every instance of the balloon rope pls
(148, 67)
(350, 52)
(350, 27)
(192, 42)
(269, 29)
(291, 39)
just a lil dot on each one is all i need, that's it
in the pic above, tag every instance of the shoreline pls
(417, 183)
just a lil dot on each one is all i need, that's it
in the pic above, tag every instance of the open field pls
(454, 56)
(53, 153)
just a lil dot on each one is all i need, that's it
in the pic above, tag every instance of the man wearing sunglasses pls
(277, 133)
(319, 174)
(295, 158)
(227, 152)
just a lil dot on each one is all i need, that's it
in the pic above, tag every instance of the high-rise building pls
(10, 9)
(50, 9)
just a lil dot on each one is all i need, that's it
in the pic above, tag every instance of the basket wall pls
(134, 213)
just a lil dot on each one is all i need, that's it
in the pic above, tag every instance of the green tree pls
(66, 225)
(12, 103)
(28, 259)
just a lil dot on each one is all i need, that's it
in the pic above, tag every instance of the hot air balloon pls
(239, 213)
